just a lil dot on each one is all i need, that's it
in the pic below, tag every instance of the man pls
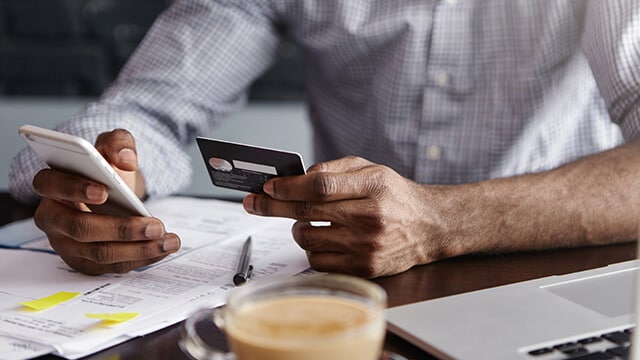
(443, 127)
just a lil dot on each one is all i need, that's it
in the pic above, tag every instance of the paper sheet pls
(16, 349)
(212, 234)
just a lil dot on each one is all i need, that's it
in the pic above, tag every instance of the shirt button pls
(443, 78)
(434, 152)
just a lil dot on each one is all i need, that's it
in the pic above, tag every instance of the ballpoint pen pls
(244, 267)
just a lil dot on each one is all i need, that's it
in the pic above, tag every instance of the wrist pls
(458, 220)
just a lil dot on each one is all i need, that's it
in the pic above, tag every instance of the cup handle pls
(192, 343)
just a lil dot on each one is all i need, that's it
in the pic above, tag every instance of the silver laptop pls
(556, 317)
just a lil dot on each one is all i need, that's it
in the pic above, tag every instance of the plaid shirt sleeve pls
(183, 78)
(612, 45)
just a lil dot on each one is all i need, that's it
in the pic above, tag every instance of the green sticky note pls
(50, 301)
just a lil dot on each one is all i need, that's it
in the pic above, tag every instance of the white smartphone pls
(76, 155)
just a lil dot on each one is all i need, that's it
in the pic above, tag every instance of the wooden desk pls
(448, 277)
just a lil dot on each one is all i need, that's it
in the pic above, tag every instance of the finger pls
(333, 238)
(56, 218)
(337, 238)
(344, 164)
(328, 186)
(361, 213)
(87, 267)
(63, 186)
(119, 148)
(340, 263)
(112, 252)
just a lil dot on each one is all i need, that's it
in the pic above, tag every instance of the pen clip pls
(249, 272)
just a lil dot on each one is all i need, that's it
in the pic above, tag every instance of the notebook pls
(551, 318)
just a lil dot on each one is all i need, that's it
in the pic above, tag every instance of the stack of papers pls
(46, 307)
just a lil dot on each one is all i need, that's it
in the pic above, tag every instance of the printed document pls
(46, 307)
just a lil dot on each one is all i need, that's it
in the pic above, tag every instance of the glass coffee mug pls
(300, 318)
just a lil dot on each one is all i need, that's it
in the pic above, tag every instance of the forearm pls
(595, 200)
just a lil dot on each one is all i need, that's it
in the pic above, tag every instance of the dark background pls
(76, 48)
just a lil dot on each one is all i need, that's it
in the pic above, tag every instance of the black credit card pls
(246, 167)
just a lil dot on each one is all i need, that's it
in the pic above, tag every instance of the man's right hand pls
(94, 243)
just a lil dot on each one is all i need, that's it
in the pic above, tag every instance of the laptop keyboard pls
(610, 346)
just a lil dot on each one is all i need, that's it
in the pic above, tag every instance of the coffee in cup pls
(311, 317)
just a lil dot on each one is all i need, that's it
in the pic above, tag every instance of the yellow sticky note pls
(50, 301)
(114, 318)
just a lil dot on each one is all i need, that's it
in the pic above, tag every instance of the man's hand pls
(94, 243)
(378, 219)
(382, 223)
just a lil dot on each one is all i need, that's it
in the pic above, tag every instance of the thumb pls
(119, 148)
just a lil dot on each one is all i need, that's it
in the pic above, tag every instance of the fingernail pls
(127, 155)
(268, 187)
(95, 192)
(247, 203)
(154, 231)
(171, 245)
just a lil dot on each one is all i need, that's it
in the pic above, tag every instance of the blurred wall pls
(281, 125)
(56, 55)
